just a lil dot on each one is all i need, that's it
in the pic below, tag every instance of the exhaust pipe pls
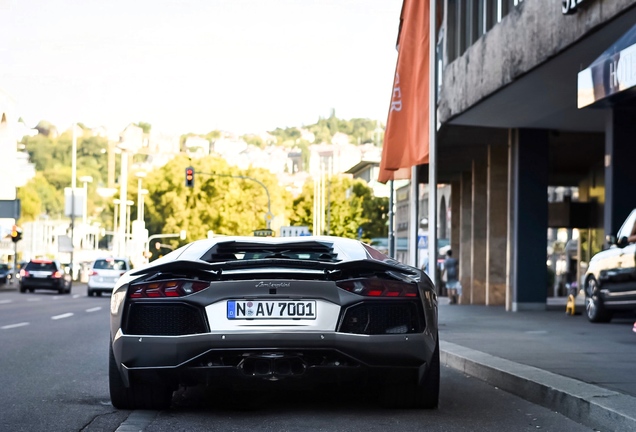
(272, 367)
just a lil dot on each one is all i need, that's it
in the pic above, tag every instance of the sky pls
(245, 66)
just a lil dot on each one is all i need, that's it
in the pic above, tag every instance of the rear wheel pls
(22, 289)
(594, 308)
(423, 393)
(137, 396)
(89, 292)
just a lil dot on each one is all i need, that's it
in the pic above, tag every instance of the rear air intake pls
(164, 319)
(375, 318)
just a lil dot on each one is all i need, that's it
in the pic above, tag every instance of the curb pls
(584, 403)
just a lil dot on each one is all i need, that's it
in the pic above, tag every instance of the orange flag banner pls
(407, 128)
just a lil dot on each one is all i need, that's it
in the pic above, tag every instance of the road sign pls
(422, 241)
(263, 233)
(10, 209)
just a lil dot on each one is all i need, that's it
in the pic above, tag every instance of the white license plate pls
(271, 309)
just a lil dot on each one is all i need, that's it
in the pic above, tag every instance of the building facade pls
(511, 129)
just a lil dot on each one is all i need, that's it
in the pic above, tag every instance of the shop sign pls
(568, 7)
(615, 74)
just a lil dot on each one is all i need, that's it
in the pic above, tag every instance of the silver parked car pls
(104, 274)
(270, 312)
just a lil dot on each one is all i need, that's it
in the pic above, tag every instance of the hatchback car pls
(5, 271)
(610, 280)
(44, 274)
(104, 274)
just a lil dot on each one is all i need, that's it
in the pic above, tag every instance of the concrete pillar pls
(455, 205)
(465, 234)
(497, 230)
(479, 226)
(620, 175)
(530, 160)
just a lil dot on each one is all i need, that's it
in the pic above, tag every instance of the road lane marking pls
(66, 315)
(5, 301)
(76, 296)
(95, 309)
(10, 326)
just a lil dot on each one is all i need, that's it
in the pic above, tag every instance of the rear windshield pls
(41, 266)
(103, 264)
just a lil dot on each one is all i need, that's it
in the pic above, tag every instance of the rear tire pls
(98, 293)
(137, 396)
(594, 308)
(22, 289)
(89, 292)
(422, 394)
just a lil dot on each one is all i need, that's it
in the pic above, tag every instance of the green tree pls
(350, 206)
(144, 126)
(220, 202)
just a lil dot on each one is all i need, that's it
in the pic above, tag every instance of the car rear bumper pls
(269, 356)
(49, 283)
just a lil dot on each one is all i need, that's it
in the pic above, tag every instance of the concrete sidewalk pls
(582, 370)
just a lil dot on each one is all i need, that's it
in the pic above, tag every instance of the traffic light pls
(189, 177)
(16, 234)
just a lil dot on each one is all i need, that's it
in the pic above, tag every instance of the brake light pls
(169, 288)
(379, 287)
(24, 273)
(57, 275)
(93, 273)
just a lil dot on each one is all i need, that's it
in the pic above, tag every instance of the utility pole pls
(73, 184)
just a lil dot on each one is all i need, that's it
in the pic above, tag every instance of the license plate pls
(271, 309)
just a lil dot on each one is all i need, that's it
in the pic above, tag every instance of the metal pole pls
(432, 146)
(391, 220)
(73, 185)
(414, 223)
(139, 201)
(123, 198)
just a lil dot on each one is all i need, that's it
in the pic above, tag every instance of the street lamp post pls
(129, 204)
(115, 247)
(73, 185)
(123, 197)
(140, 198)
(86, 180)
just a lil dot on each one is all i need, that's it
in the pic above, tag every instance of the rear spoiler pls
(327, 267)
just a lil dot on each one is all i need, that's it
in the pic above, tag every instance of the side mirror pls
(610, 239)
(622, 242)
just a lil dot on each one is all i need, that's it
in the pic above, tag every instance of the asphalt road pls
(53, 377)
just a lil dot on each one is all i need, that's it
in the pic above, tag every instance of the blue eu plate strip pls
(231, 309)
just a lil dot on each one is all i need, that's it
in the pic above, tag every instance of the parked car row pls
(50, 274)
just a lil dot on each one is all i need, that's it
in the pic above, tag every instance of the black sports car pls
(236, 310)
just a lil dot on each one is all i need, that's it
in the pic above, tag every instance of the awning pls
(611, 78)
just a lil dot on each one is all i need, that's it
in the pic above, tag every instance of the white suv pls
(104, 274)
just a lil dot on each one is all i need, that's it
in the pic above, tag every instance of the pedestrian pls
(451, 275)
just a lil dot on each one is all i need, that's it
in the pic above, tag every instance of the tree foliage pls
(361, 131)
(350, 205)
(220, 201)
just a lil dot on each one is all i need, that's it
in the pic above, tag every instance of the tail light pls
(122, 273)
(24, 273)
(169, 288)
(57, 274)
(379, 287)
(93, 273)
